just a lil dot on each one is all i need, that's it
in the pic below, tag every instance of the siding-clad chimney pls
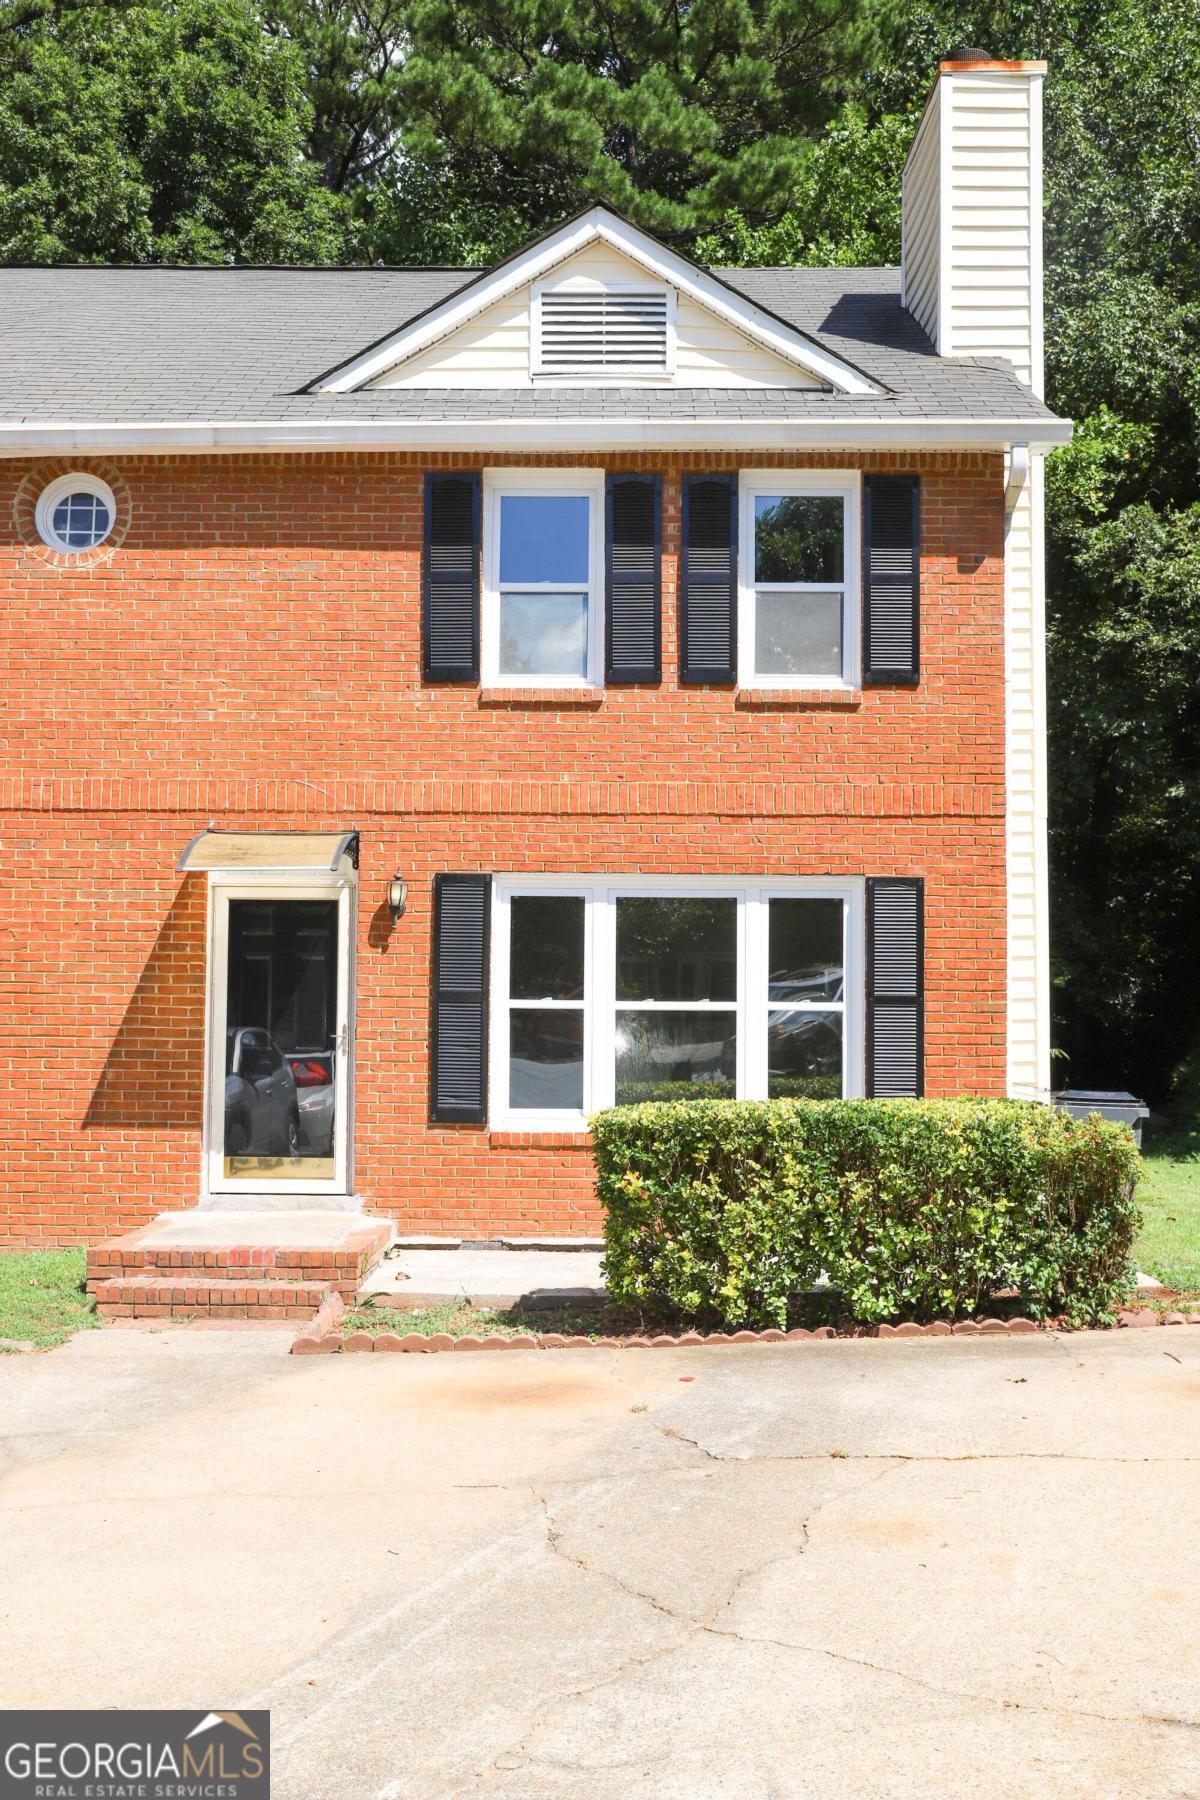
(972, 251)
(972, 277)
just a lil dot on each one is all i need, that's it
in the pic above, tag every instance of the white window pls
(798, 599)
(75, 513)
(611, 992)
(543, 578)
(583, 330)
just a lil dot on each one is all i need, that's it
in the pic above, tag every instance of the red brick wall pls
(249, 654)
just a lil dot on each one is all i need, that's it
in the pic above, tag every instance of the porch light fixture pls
(397, 896)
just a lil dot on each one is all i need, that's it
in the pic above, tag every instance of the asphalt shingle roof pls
(237, 344)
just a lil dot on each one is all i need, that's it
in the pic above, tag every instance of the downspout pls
(1014, 487)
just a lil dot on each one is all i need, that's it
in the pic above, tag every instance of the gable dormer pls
(597, 303)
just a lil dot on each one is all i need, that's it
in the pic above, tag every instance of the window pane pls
(545, 1067)
(543, 634)
(544, 537)
(676, 949)
(281, 1033)
(804, 1056)
(805, 950)
(547, 947)
(798, 634)
(798, 537)
(676, 1056)
(81, 520)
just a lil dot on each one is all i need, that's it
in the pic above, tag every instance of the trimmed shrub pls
(914, 1209)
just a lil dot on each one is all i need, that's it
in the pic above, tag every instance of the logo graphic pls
(135, 1756)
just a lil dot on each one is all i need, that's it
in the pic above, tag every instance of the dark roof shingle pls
(238, 344)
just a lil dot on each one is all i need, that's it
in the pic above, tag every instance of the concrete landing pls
(547, 1278)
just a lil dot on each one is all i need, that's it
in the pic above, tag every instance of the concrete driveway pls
(960, 1567)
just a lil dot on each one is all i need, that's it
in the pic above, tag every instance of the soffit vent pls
(598, 329)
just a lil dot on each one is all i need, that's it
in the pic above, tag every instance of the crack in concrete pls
(709, 1627)
(905, 1456)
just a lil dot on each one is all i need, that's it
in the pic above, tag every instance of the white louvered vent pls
(603, 329)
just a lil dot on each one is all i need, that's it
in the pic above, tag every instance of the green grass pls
(1169, 1196)
(41, 1296)
(459, 1318)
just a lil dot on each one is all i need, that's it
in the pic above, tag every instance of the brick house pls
(443, 702)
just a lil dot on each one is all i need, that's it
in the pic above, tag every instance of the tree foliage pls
(672, 113)
(165, 133)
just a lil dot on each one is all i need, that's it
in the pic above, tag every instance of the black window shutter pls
(633, 582)
(458, 1046)
(450, 602)
(708, 580)
(891, 581)
(895, 988)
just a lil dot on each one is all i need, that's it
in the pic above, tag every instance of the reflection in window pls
(806, 990)
(281, 1011)
(546, 1000)
(544, 577)
(667, 1014)
(798, 563)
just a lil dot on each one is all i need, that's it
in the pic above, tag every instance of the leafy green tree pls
(352, 52)
(165, 133)
(674, 114)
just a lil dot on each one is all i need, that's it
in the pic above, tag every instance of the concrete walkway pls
(413, 1278)
(850, 1569)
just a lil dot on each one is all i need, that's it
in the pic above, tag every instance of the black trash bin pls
(1127, 1109)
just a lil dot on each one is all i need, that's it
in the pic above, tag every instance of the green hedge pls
(915, 1209)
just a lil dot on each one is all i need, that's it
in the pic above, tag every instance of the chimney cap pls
(968, 53)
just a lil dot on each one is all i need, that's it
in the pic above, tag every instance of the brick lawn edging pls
(321, 1337)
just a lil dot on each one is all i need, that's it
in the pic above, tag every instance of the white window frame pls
(820, 483)
(225, 885)
(77, 483)
(600, 893)
(613, 374)
(496, 484)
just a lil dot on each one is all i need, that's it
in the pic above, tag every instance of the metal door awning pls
(313, 851)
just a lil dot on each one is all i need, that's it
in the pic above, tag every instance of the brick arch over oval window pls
(24, 514)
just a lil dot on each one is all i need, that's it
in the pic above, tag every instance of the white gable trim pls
(532, 264)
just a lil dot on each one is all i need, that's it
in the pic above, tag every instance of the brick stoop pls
(183, 1267)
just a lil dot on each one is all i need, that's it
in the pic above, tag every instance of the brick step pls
(187, 1296)
(345, 1266)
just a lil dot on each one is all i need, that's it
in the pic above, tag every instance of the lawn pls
(41, 1296)
(1169, 1196)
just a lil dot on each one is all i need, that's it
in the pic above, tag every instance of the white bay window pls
(611, 992)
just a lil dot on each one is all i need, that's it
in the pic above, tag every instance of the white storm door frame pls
(222, 888)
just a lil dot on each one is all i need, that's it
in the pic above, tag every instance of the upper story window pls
(75, 513)
(799, 580)
(543, 578)
(585, 332)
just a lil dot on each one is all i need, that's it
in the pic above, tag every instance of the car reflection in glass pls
(312, 1071)
(262, 1115)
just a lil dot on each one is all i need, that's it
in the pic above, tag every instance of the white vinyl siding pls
(1025, 790)
(495, 349)
(972, 253)
(922, 219)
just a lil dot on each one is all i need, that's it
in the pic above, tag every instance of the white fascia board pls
(536, 435)
(592, 227)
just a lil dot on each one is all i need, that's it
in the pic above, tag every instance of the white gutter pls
(94, 437)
